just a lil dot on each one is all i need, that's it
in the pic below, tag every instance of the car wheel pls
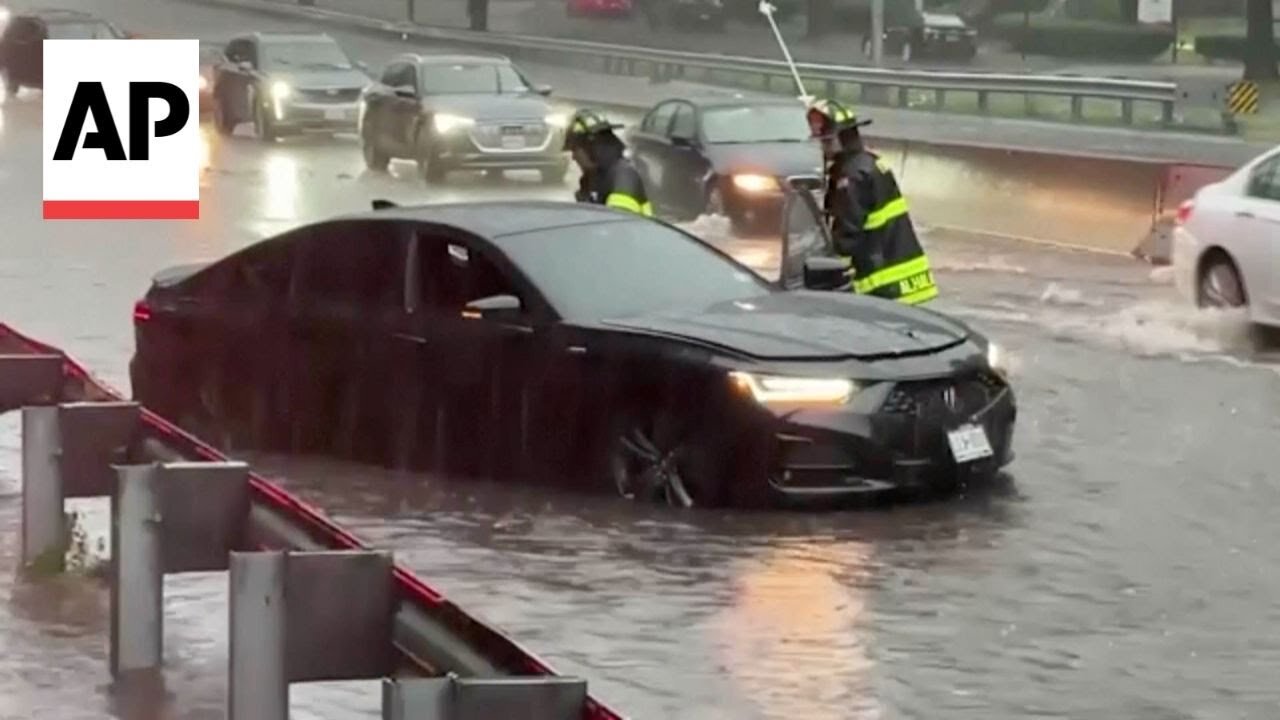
(555, 175)
(374, 159)
(263, 126)
(659, 457)
(1220, 284)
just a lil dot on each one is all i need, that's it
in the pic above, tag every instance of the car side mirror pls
(825, 273)
(405, 91)
(683, 142)
(543, 90)
(499, 308)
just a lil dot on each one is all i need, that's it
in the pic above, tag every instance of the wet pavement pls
(1125, 568)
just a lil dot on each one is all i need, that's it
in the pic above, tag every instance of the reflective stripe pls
(881, 216)
(623, 201)
(896, 274)
(920, 296)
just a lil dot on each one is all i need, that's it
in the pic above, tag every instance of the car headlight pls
(753, 183)
(202, 83)
(280, 90)
(995, 359)
(558, 120)
(446, 123)
(781, 390)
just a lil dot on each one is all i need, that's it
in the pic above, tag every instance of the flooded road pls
(1126, 568)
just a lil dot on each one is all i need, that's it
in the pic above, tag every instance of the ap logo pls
(121, 129)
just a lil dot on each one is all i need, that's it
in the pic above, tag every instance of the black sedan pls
(523, 338)
(22, 37)
(724, 154)
(461, 112)
(285, 84)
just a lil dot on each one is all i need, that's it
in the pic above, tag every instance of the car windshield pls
(471, 79)
(82, 31)
(618, 269)
(304, 54)
(756, 124)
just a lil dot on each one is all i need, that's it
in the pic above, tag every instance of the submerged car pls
(287, 83)
(461, 112)
(22, 37)
(1226, 242)
(724, 154)
(547, 339)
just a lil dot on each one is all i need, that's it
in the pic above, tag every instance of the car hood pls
(777, 158)
(323, 79)
(492, 107)
(806, 325)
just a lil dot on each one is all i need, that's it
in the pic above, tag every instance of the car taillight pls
(141, 311)
(1184, 212)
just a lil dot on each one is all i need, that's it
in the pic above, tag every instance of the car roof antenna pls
(383, 204)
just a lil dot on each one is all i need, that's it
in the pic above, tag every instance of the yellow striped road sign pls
(1242, 98)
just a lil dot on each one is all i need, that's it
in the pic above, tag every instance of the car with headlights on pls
(287, 83)
(1226, 242)
(210, 56)
(724, 154)
(22, 36)
(461, 112)
(567, 342)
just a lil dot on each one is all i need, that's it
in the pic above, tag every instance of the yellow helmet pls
(827, 117)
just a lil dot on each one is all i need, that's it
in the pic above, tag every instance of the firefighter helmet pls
(827, 117)
(584, 124)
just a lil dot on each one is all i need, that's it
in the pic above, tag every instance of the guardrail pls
(170, 514)
(873, 84)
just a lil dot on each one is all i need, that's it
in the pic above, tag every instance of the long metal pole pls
(877, 33)
(767, 9)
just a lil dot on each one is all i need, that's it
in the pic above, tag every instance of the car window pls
(303, 55)
(398, 75)
(82, 30)
(633, 266)
(451, 274)
(352, 264)
(240, 51)
(1264, 183)
(755, 124)
(685, 124)
(260, 273)
(471, 79)
(659, 119)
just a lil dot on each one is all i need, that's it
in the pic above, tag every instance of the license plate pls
(969, 443)
(513, 142)
(335, 114)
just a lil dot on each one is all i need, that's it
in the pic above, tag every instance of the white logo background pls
(172, 171)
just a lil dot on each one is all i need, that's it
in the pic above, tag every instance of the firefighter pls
(866, 212)
(608, 177)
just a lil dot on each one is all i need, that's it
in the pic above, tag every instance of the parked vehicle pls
(461, 112)
(22, 37)
(599, 8)
(287, 83)
(929, 35)
(1226, 244)
(724, 154)
(690, 14)
(501, 338)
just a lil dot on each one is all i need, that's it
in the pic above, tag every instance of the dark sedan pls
(287, 83)
(522, 338)
(724, 155)
(461, 112)
(22, 37)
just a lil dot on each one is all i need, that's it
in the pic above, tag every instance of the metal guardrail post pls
(167, 518)
(454, 698)
(287, 620)
(67, 452)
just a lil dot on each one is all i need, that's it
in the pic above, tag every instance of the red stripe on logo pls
(121, 209)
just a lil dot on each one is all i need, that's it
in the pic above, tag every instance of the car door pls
(25, 52)
(347, 295)
(687, 168)
(406, 110)
(1256, 235)
(804, 235)
(232, 78)
(650, 151)
(474, 408)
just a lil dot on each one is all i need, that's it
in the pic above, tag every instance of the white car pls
(1226, 244)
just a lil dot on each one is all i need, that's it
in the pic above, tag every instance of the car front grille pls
(335, 95)
(944, 399)
(490, 136)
